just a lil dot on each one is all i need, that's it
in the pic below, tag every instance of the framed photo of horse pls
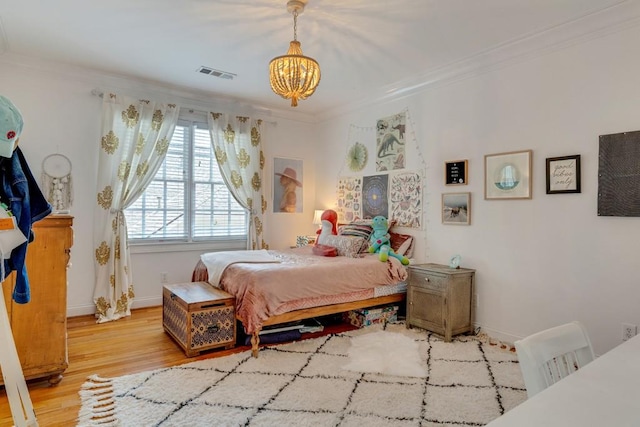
(456, 208)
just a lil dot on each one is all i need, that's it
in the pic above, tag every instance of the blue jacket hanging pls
(23, 197)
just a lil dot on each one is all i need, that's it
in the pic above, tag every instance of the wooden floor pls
(134, 344)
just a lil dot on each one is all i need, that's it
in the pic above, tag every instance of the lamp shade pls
(317, 217)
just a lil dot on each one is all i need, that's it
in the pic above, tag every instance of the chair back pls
(548, 356)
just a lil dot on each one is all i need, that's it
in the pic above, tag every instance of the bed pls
(294, 284)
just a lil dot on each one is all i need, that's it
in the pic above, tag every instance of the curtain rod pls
(100, 93)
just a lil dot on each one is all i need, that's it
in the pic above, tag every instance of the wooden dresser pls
(440, 299)
(40, 326)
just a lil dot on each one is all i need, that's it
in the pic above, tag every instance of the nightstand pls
(440, 299)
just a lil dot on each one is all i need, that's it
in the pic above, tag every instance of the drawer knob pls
(212, 329)
(426, 279)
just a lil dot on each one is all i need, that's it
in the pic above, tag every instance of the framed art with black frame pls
(455, 172)
(563, 174)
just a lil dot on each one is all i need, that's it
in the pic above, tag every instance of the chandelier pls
(294, 76)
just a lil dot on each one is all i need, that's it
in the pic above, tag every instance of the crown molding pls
(589, 26)
(594, 24)
(132, 86)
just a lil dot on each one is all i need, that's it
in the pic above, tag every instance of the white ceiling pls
(364, 47)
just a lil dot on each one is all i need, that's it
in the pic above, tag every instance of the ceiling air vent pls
(216, 73)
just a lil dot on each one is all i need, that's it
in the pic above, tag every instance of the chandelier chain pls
(295, 25)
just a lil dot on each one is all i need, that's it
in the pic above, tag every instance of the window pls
(187, 201)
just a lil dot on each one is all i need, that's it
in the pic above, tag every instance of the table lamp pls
(317, 217)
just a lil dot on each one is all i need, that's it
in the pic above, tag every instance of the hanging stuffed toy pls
(380, 241)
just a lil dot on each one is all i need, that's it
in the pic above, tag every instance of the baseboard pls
(498, 335)
(84, 310)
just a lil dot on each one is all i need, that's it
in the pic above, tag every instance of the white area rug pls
(386, 353)
(468, 383)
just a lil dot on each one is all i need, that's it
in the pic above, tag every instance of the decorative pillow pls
(402, 244)
(355, 229)
(346, 245)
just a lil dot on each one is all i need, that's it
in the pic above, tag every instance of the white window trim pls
(208, 246)
(181, 245)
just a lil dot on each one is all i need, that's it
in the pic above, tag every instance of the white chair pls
(548, 356)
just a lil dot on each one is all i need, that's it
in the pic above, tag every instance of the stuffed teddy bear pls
(380, 241)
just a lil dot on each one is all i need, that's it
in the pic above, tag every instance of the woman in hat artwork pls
(289, 183)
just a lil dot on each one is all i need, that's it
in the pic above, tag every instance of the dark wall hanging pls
(619, 174)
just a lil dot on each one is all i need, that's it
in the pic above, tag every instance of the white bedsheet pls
(217, 262)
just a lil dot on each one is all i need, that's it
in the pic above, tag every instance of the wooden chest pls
(199, 316)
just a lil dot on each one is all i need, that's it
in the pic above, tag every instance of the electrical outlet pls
(163, 277)
(629, 331)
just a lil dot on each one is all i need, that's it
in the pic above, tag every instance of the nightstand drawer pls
(428, 280)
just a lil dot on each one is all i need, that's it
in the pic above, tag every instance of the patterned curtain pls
(238, 148)
(135, 138)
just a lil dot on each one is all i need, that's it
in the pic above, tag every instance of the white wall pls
(61, 115)
(547, 260)
(539, 262)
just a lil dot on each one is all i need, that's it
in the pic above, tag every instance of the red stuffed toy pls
(329, 226)
(332, 217)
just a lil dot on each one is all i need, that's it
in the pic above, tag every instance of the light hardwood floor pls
(133, 344)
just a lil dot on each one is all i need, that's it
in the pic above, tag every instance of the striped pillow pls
(355, 229)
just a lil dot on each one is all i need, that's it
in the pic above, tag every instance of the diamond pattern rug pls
(469, 383)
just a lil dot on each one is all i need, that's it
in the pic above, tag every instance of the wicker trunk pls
(199, 316)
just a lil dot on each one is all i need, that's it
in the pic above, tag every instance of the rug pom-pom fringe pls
(98, 404)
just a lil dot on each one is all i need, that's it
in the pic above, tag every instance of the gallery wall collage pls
(396, 192)
(393, 192)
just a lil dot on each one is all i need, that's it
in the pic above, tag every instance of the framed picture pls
(287, 185)
(455, 172)
(456, 208)
(375, 196)
(618, 174)
(563, 174)
(508, 175)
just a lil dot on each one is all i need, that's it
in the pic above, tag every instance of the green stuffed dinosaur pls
(380, 241)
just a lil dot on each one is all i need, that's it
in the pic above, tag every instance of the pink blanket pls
(261, 289)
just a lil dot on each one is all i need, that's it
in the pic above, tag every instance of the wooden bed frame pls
(324, 310)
